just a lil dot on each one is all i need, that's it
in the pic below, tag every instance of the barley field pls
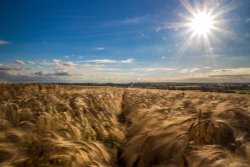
(48, 125)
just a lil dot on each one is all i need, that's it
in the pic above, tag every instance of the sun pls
(202, 23)
(203, 26)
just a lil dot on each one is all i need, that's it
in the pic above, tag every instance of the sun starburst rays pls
(203, 26)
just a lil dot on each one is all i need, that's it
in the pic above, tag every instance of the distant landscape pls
(205, 87)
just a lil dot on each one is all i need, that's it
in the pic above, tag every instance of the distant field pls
(188, 87)
(74, 126)
(242, 91)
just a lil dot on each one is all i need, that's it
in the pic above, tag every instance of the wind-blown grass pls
(173, 128)
(46, 125)
(64, 126)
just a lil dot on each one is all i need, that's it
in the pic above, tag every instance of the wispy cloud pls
(102, 61)
(158, 69)
(69, 64)
(248, 20)
(60, 65)
(207, 67)
(131, 21)
(107, 69)
(173, 26)
(194, 69)
(138, 19)
(7, 68)
(44, 63)
(189, 70)
(127, 61)
(217, 79)
(232, 71)
(158, 29)
(219, 75)
(58, 74)
(19, 62)
(3, 42)
(109, 61)
(100, 48)
(30, 62)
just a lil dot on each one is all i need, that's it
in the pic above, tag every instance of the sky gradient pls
(121, 41)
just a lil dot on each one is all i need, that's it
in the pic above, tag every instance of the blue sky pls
(121, 41)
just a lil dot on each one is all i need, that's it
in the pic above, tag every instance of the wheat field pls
(48, 125)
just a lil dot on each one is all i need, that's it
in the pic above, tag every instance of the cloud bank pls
(109, 70)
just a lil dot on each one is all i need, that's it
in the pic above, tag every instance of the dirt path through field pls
(174, 128)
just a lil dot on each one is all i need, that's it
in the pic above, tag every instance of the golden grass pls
(175, 128)
(51, 125)
(64, 126)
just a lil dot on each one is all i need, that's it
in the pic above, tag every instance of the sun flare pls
(202, 23)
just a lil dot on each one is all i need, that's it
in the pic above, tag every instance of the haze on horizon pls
(125, 41)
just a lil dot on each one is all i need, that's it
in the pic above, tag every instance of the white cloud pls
(44, 63)
(158, 69)
(248, 20)
(108, 61)
(184, 71)
(100, 48)
(158, 29)
(30, 62)
(19, 62)
(173, 26)
(68, 56)
(206, 67)
(127, 61)
(216, 78)
(220, 75)
(5, 67)
(55, 74)
(189, 70)
(198, 75)
(3, 42)
(69, 64)
(108, 69)
(60, 65)
(92, 65)
(142, 34)
(137, 20)
(100, 61)
(232, 71)
(194, 69)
